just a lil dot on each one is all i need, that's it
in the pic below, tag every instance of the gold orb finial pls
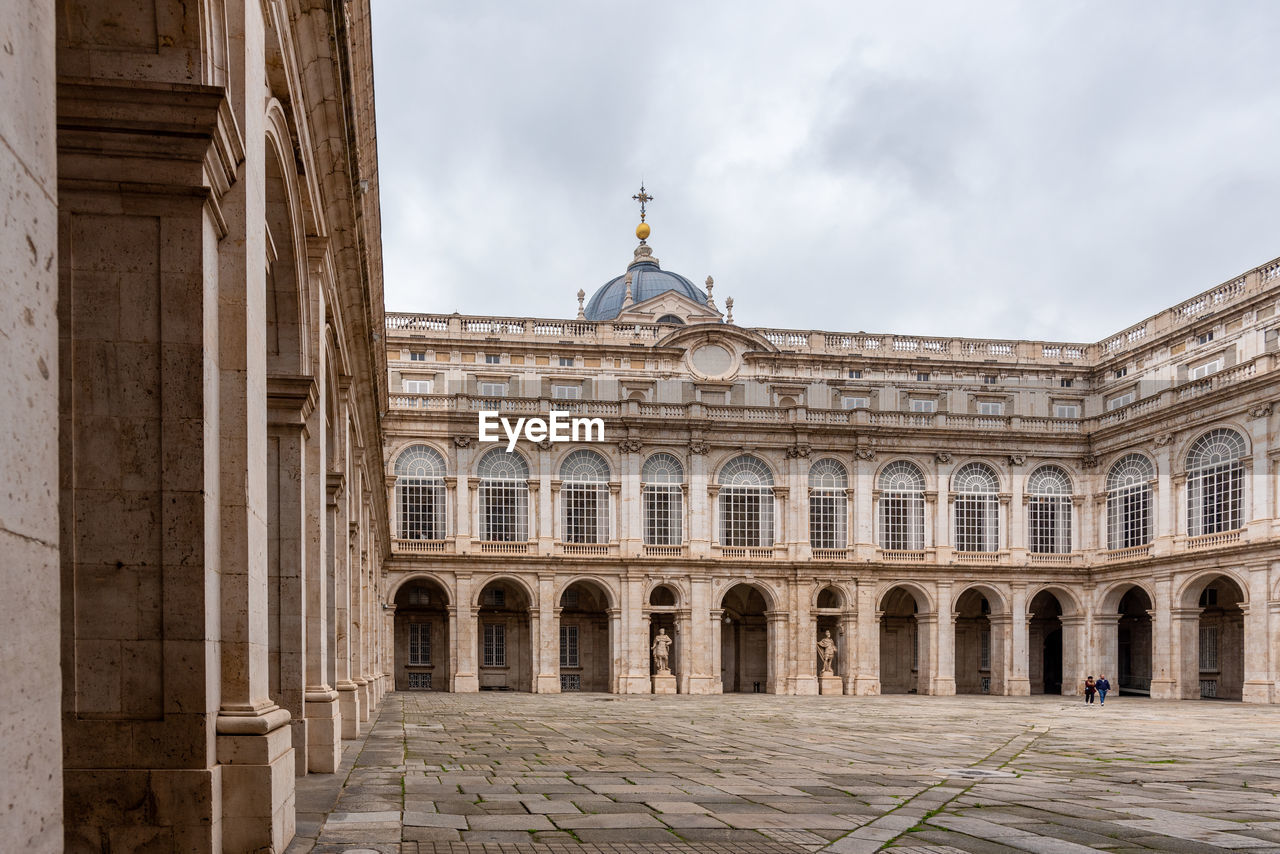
(642, 231)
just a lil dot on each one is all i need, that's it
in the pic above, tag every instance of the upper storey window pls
(977, 508)
(418, 386)
(504, 497)
(900, 507)
(923, 405)
(566, 392)
(1129, 502)
(662, 500)
(420, 497)
(493, 389)
(746, 503)
(584, 498)
(1215, 483)
(417, 356)
(1049, 511)
(828, 505)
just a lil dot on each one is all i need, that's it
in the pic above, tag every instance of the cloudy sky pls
(1038, 170)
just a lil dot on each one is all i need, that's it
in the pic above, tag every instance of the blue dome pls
(647, 281)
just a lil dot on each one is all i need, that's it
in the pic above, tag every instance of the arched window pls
(1129, 502)
(672, 319)
(828, 505)
(1215, 483)
(584, 498)
(1049, 511)
(504, 497)
(977, 508)
(662, 500)
(420, 498)
(746, 503)
(900, 508)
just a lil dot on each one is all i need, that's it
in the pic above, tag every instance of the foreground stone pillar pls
(1186, 651)
(867, 681)
(999, 644)
(1018, 681)
(545, 631)
(466, 678)
(632, 653)
(29, 584)
(943, 665)
(702, 654)
(1164, 643)
(1258, 687)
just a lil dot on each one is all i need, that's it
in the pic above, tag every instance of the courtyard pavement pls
(580, 773)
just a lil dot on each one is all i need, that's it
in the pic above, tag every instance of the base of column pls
(1162, 689)
(805, 686)
(943, 687)
(1257, 691)
(664, 683)
(1019, 687)
(324, 731)
(866, 686)
(703, 685)
(256, 758)
(466, 683)
(634, 684)
(299, 728)
(830, 685)
(364, 697)
(349, 708)
(547, 683)
(181, 805)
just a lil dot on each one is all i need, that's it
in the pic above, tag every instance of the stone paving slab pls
(580, 774)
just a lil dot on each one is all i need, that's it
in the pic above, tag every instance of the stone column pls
(846, 664)
(462, 629)
(684, 632)
(548, 495)
(1164, 643)
(867, 681)
(699, 508)
(348, 690)
(633, 653)
(1014, 506)
(804, 639)
(779, 651)
(1018, 682)
(1186, 651)
(1075, 663)
(862, 534)
(702, 649)
(1105, 647)
(1258, 687)
(545, 632)
(943, 665)
(717, 650)
(1001, 626)
(617, 641)
(1165, 510)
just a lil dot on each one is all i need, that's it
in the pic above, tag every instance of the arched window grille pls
(662, 500)
(504, 497)
(1215, 483)
(746, 503)
(1049, 511)
(1129, 502)
(900, 510)
(828, 505)
(419, 493)
(584, 498)
(977, 508)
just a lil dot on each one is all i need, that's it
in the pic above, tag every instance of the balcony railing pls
(485, 547)
(832, 554)
(980, 557)
(1210, 541)
(663, 551)
(422, 546)
(747, 552)
(587, 549)
(1055, 559)
(1131, 553)
(906, 555)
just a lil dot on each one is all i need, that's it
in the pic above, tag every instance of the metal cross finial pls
(643, 198)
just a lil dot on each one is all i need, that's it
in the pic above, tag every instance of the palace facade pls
(981, 516)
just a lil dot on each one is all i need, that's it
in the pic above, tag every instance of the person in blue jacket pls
(1103, 687)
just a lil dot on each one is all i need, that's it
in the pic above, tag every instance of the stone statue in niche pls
(826, 652)
(661, 652)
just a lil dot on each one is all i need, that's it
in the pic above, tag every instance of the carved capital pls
(1089, 462)
(865, 454)
(545, 444)
(1261, 411)
(699, 447)
(942, 457)
(798, 450)
(1017, 459)
(462, 441)
(1164, 439)
(630, 446)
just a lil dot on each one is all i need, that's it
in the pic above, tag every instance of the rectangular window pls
(1066, 410)
(855, 402)
(568, 646)
(1120, 400)
(586, 512)
(1208, 648)
(420, 644)
(418, 386)
(1049, 524)
(986, 407)
(420, 508)
(988, 379)
(493, 389)
(827, 511)
(492, 359)
(977, 522)
(1204, 338)
(922, 378)
(1065, 383)
(901, 521)
(746, 516)
(566, 361)
(663, 514)
(984, 654)
(1199, 372)
(417, 356)
(495, 645)
(504, 511)
(1129, 516)
(855, 375)
(419, 681)
(918, 405)
(570, 681)
(1121, 373)
(566, 392)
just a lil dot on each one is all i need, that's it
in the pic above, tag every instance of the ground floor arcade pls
(1198, 633)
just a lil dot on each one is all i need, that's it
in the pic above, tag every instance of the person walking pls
(1089, 688)
(1103, 687)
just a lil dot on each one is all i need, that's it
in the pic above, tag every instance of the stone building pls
(980, 516)
(192, 523)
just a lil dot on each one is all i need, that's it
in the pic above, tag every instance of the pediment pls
(668, 302)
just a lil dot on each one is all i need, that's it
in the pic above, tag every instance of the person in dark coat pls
(1090, 687)
(1103, 687)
